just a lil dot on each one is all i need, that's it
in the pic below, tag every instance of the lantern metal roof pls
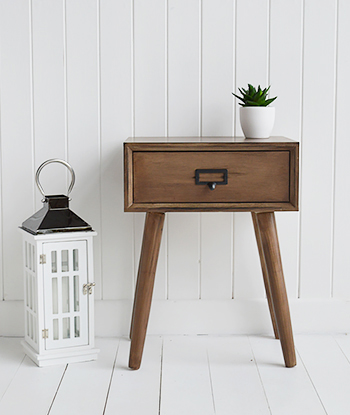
(55, 215)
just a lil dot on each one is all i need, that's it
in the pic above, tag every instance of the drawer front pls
(168, 177)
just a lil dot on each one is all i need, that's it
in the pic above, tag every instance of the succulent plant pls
(254, 98)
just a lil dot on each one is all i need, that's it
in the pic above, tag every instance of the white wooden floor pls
(184, 375)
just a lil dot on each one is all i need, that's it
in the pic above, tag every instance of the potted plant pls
(256, 117)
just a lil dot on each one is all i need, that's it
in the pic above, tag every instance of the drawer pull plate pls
(211, 184)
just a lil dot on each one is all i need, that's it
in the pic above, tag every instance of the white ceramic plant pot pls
(257, 122)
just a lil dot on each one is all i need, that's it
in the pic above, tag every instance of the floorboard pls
(186, 383)
(184, 375)
(288, 391)
(32, 390)
(85, 385)
(134, 392)
(11, 357)
(329, 371)
(235, 377)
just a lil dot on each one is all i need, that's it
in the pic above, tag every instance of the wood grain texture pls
(265, 273)
(144, 287)
(252, 177)
(269, 241)
(160, 177)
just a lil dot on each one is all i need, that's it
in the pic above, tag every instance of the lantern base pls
(61, 356)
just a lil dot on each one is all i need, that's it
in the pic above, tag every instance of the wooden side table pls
(202, 174)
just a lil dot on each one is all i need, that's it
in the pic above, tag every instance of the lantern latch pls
(87, 288)
(42, 259)
(45, 333)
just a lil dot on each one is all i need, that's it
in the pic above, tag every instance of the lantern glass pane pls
(65, 295)
(35, 330)
(33, 257)
(55, 328)
(76, 326)
(75, 260)
(76, 293)
(34, 296)
(64, 259)
(66, 327)
(31, 326)
(29, 252)
(30, 292)
(54, 296)
(53, 261)
(25, 253)
(27, 288)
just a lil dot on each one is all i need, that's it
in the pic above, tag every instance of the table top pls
(218, 140)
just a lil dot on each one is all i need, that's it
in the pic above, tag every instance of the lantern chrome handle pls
(69, 167)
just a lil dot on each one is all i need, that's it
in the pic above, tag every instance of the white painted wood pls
(288, 391)
(317, 166)
(67, 81)
(189, 374)
(116, 125)
(184, 20)
(251, 50)
(328, 369)
(341, 264)
(183, 256)
(216, 254)
(251, 67)
(217, 64)
(286, 20)
(49, 101)
(16, 145)
(83, 120)
(32, 390)
(343, 341)
(235, 378)
(149, 67)
(216, 235)
(186, 384)
(11, 357)
(145, 382)
(247, 275)
(66, 308)
(85, 386)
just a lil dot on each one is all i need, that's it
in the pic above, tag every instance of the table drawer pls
(166, 180)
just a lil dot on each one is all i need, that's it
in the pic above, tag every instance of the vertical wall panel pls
(183, 67)
(16, 142)
(183, 119)
(49, 93)
(341, 269)
(251, 67)
(317, 148)
(217, 111)
(286, 20)
(116, 126)
(150, 102)
(83, 120)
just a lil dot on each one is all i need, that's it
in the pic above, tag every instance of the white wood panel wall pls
(78, 77)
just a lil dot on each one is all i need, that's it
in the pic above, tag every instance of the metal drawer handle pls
(212, 185)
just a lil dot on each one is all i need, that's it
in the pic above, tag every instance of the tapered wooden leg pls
(269, 241)
(264, 272)
(152, 235)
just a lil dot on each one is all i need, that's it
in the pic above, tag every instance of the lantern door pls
(66, 297)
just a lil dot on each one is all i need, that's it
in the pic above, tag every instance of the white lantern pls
(58, 275)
